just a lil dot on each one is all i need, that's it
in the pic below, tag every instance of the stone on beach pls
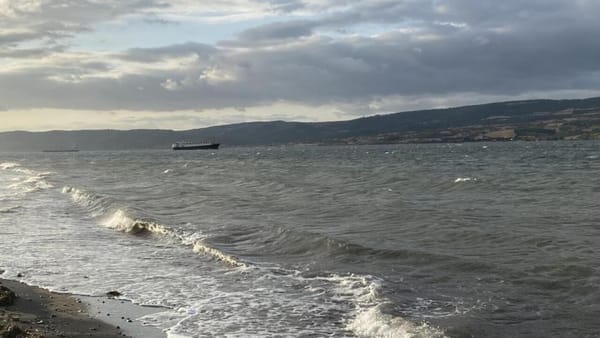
(7, 296)
(113, 294)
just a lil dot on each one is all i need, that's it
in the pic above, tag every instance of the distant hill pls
(517, 120)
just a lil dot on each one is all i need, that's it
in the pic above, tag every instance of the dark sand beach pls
(37, 312)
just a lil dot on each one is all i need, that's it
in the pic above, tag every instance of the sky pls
(183, 64)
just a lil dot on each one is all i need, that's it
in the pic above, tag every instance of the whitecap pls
(121, 221)
(8, 165)
(464, 179)
(373, 322)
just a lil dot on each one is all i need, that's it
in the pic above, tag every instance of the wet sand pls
(39, 313)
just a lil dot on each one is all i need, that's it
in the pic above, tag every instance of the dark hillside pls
(524, 120)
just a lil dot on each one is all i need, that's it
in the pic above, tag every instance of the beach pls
(37, 312)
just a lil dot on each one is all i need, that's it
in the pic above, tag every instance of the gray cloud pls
(24, 53)
(54, 20)
(11, 38)
(430, 49)
(278, 31)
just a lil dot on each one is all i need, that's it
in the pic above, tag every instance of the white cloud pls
(11, 9)
(170, 84)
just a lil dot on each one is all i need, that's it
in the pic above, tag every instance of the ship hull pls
(197, 146)
(61, 151)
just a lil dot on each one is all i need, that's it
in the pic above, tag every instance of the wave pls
(96, 205)
(31, 181)
(10, 210)
(9, 165)
(119, 219)
(374, 322)
(79, 196)
(284, 241)
(367, 316)
(370, 318)
(200, 247)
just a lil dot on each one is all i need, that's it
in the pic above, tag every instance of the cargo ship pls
(60, 150)
(194, 146)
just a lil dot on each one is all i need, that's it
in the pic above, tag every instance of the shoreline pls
(37, 312)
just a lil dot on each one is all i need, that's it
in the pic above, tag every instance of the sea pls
(429, 240)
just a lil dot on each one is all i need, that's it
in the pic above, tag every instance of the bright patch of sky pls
(144, 33)
(364, 30)
(371, 29)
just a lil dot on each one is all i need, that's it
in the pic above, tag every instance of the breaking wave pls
(9, 165)
(27, 180)
(119, 220)
(374, 322)
(369, 318)
(200, 247)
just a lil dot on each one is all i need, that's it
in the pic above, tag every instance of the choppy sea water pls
(473, 240)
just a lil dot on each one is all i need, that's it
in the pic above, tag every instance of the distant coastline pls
(532, 120)
(60, 151)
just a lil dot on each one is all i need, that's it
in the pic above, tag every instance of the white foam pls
(176, 335)
(200, 247)
(79, 196)
(120, 221)
(464, 179)
(373, 322)
(34, 181)
(23, 171)
(369, 319)
(86, 199)
(8, 165)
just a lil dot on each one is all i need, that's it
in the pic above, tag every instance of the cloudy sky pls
(182, 64)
